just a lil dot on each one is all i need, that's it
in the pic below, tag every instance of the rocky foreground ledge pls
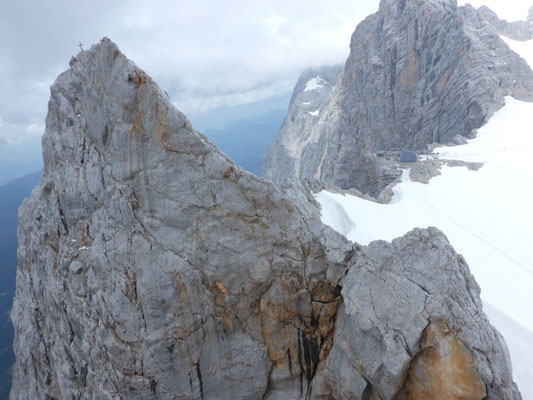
(152, 267)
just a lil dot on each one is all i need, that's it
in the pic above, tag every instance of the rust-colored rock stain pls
(445, 369)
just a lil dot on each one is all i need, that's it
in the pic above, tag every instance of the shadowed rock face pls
(152, 267)
(419, 72)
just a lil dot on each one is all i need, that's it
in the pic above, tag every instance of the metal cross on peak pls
(81, 46)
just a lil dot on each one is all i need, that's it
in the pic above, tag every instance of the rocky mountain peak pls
(152, 267)
(108, 96)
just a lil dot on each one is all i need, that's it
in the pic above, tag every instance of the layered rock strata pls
(152, 267)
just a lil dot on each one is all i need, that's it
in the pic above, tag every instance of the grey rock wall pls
(152, 267)
(419, 72)
(310, 95)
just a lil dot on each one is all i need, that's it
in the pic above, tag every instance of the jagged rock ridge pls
(419, 72)
(152, 267)
(517, 30)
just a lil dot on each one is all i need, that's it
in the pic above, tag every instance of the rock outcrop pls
(517, 30)
(152, 267)
(390, 297)
(419, 72)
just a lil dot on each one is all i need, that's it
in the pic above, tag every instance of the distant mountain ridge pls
(19, 159)
(310, 95)
(517, 30)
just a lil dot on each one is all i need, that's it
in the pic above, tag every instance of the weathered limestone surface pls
(419, 72)
(152, 267)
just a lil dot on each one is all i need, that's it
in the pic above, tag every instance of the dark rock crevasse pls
(152, 267)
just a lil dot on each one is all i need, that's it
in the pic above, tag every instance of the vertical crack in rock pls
(300, 363)
(367, 393)
(289, 358)
(199, 376)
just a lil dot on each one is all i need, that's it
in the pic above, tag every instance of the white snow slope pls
(314, 83)
(486, 214)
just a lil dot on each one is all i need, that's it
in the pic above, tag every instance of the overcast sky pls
(204, 53)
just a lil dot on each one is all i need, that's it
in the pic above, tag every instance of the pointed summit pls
(108, 97)
(151, 265)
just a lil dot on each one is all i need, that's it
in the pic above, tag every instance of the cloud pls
(213, 49)
(35, 129)
(205, 54)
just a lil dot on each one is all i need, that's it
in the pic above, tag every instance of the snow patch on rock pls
(314, 83)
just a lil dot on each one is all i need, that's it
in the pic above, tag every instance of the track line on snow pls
(486, 241)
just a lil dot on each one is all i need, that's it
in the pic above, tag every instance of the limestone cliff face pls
(311, 94)
(419, 72)
(152, 267)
